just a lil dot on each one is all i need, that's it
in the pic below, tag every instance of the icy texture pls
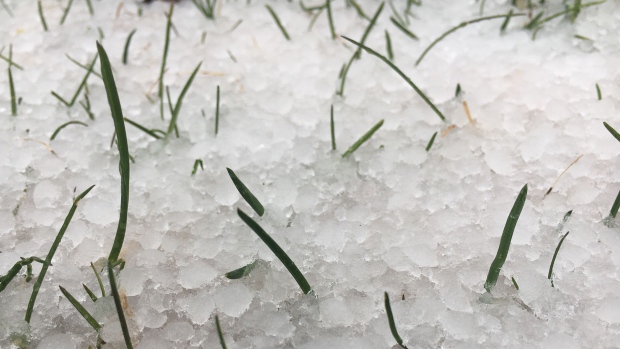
(422, 226)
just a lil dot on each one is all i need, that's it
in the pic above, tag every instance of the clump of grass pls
(41, 15)
(52, 251)
(219, 332)
(431, 141)
(388, 46)
(197, 163)
(66, 12)
(73, 122)
(390, 316)
(119, 306)
(123, 150)
(399, 72)
(80, 87)
(246, 194)
(362, 139)
(179, 103)
(504, 244)
(17, 267)
(85, 314)
(241, 272)
(278, 23)
(332, 127)
(206, 7)
(555, 254)
(598, 92)
(217, 109)
(127, 42)
(278, 251)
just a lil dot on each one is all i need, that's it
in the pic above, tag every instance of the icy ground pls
(422, 226)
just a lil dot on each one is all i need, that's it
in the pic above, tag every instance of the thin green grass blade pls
(50, 254)
(126, 50)
(403, 29)
(278, 251)
(80, 87)
(90, 293)
(217, 110)
(17, 267)
(85, 314)
(359, 9)
(362, 139)
(333, 128)
(83, 66)
(569, 10)
(98, 279)
(514, 282)
(197, 163)
(12, 93)
(598, 92)
(119, 306)
(614, 208)
(160, 92)
(219, 332)
(330, 19)
(90, 8)
(277, 20)
(143, 129)
(431, 141)
(73, 122)
(555, 254)
(41, 15)
(458, 90)
(246, 194)
(123, 150)
(388, 310)
(399, 72)
(388, 46)
(535, 22)
(506, 21)
(612, 131)
(504, 244)
(241, 272)
(66, 12)
(179, 103)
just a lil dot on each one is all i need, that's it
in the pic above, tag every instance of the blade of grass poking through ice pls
(332, 127)
(179, 103)
(462, 25)
(126, 50)
(50, 254)
(83, 66)
(241, 272)
(555, 254)
(41, 15)
(514, 282)
(431, 141)
(614, 208)
(82, 85)
(399, 72)
(330, 19)
(217, 110)
(85, 314)
(278, 23)
(390, 316)
(506, 21)
(197, 163)
(362, 139)
(219, 332)
(74, 122)
(569, 10)
(90, 293)
(160, 92)
(119, 306)
(143, 129)
(598, 92)
(278, 251)
(12, 92)
(66, 13)
(123, 150)
(504, 244)
(90, 8)
(612, 131)
(98, 279)
(388, 46)
(458, 90)
(534, 22)
(246, 194)
(358, 9)
(17, 267)
(358, 52)
(403, 29)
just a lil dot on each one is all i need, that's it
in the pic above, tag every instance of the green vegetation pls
(246, 194)
(126, 50)
(431, 141)
(388, 310)
(73, 122)
(85, 314)
(555, 254)
(119, 306)
(362, 139)
(278, 23)
(241, 272)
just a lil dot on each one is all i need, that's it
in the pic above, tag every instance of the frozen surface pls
(422, 226)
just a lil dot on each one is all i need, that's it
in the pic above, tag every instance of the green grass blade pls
(388, 46)
(142, 128)
(50, 254)
(504, 244)
(535, 21)
(362, 139)
(90, 293)
(74, 122)
(90, 8)
(160, 92)
(6, 279)
(333, 128)
(431, 141)
(277, 250)
(219, 332)
(197, 163)
(12, 92)
(506, 21)
(119, 306)
(83, 66)
(277, 20)
(41, 15)
(359, 9)
(246, 194)
(569, 10)
(217, 110)
(614, 208)
(388, 310)
(66, 12)
(399, 72)
(82, 85)
(98, 279)
(179, 103)
(330, 19)
(555, 254)
(241, 272)
(598, 92)
(123, 150)
(85, 314)
(403, 29)
(514, 282)
(126, 50)
(612, 131)
(458, 90)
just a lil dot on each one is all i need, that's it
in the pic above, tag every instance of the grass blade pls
(241, 272)
(614, 208)
(12, 92)
(277, 20)
(514, 282)
(555, 254)
(126, 50)
(612, 131)
(160, 92)
(119, 306)
(330, 19)
(598, 92)
(85, 314)
(277, 250)
(333, 128)
(123, 150)
(197, 163)
(66, 13)
(74, 122)
(399, 72)
(362, 139)
(219, 332)
(504, 244)
(5, 279)
(431, 141)
(98, 279)
(90, 293)
(217, 110)
(41, 15)
(388, 46)
(179, 103)
(506, 21)
(82, 85)
(143, 129)
(246, 194)
(403, 29)
(50, 254)
(83, 66)
(388, 310)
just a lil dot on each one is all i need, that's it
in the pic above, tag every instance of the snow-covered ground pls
(423, 226)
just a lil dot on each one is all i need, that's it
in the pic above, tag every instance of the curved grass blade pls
(277, 20)
(241, 272)
(219, 332)
(123, 150)
(5, 279)
(598, 92)
(402, 75)
(333, 128)
(555, 254)
(362, 139)
(119, 306)
(126, 50)
(179, 103)
(74, 122)
(504, 244)
(388, 310)
(85, 314)
(50, 254)
(98, 279)
(278, 251)
(246, 194)
(431, 141)
(612, 131)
